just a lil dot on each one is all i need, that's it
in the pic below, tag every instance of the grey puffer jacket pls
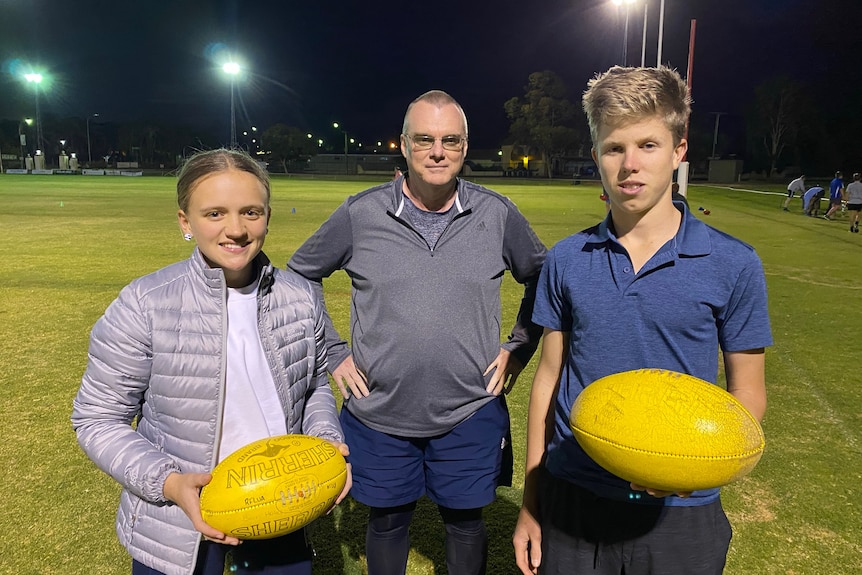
(158, 356)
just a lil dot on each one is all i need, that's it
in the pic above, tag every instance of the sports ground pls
(72, 242)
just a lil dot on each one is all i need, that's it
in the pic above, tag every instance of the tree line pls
(785, 126)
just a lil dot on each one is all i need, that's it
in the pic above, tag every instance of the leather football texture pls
(666, 430)
(273, 486)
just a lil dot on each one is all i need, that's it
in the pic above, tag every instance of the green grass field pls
(73, 242)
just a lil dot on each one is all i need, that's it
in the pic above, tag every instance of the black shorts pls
(583, 533)
(854, 207)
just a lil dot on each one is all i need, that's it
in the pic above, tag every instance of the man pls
(797, 185)
(854, 201)
(423, 382)
(649, 287)
(836, 195)
(811, 200)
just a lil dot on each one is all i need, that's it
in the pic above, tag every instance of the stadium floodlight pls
(232, 69)
(36, 79)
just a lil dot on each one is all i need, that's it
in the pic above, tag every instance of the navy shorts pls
(460, 469)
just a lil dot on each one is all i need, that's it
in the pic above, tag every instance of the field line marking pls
(745, 190)
(829, 413)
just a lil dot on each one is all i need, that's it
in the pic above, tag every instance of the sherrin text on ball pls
(273, 486)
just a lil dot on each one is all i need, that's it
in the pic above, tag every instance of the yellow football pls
(666, 430)
(273, 486)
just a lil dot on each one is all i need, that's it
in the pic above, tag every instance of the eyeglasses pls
(453, 143)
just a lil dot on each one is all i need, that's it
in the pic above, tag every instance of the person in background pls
(854, 201)
(196, 360)
(651, 286)
(676, 196)
(424, 381)
(797, 185)
(836, 195)
(607, 200)
(811, 200)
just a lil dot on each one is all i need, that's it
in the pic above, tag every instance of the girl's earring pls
(188, 237)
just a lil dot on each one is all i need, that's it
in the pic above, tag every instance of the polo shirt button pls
(627, 270)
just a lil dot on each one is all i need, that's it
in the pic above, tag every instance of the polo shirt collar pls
(461, 204)
(692, 238)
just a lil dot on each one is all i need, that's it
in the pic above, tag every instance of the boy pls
(649, 287)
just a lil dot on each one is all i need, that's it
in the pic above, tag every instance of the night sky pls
(360, 63)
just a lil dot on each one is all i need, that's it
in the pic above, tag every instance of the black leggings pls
(387, 540)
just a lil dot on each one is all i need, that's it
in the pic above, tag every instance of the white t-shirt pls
(797, 185)
(252, 409)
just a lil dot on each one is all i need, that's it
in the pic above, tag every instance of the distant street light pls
(232, 69)
(256, 140)
(89, 154)
(36, 79)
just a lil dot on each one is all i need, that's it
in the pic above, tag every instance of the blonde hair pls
(437, 98)
(209, 162)
(627, 95)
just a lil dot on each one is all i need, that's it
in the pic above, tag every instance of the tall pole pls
(626, 38)
(89, 152)
(643, 42)
(715, 134)
(232, 69)
(660, 33)
(682, 172)
(346, 163)
(626, 29)
(36, 79)
(39, 143)
(337, 126)
(232, 115)
(22, 139)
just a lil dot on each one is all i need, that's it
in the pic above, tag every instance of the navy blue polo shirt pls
(702, 291)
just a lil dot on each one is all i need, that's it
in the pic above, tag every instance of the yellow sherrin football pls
(666, 430)
(273, 486)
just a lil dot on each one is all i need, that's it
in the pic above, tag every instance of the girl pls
(203, 357)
